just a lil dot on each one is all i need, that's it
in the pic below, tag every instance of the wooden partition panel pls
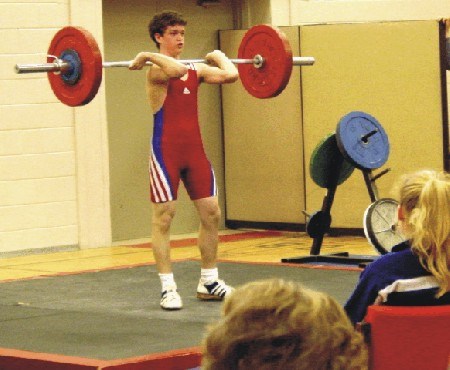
(263, 141)
(390, 70)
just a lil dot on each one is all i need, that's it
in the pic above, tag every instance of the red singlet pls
(177, 148)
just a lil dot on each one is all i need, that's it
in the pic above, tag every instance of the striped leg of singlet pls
(159, 180)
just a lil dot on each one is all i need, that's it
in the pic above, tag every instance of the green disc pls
(324, 163)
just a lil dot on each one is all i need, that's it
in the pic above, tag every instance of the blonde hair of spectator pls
(424, 198)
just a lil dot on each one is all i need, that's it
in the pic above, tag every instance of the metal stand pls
(359, 142)
(336, 258)
(322, 226)
(342, 258)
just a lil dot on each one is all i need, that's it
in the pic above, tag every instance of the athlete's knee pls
(163, 215)
(211, 216)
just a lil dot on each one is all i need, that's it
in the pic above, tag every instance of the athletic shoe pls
(217, 290)
(171, 300)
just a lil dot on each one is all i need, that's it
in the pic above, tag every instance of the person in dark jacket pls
(416, 272)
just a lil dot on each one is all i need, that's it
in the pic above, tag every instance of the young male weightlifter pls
(177, 152)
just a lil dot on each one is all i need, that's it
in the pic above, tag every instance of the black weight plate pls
(318, 224)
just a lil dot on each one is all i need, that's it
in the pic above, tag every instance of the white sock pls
(208, 276)
(167, 281)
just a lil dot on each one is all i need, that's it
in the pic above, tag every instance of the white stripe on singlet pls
(407, 285)
(159, 182)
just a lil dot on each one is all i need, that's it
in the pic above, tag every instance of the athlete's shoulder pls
(156, 76)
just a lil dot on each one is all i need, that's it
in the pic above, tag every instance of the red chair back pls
(409, 338)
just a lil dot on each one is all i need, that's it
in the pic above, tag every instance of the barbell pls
(74, 64)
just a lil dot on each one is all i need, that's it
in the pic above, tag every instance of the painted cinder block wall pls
(53, 159)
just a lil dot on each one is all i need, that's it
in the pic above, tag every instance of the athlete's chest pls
(186, 85)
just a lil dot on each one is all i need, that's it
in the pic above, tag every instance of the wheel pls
(380, 220)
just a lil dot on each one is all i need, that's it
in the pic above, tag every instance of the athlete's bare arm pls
(219, 70)
(164, 68)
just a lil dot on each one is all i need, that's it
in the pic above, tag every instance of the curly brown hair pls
(276, 324)
(162, 20)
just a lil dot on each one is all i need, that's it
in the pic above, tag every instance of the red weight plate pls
(85, 89)
(272, 44)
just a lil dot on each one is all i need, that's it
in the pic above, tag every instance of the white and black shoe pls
(171, 300)
(216, 291)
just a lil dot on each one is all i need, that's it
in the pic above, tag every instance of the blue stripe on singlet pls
(158, 123)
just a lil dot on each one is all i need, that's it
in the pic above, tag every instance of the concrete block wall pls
(38, 205)
(43, 189)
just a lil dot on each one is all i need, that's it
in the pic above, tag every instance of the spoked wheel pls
(380, 220)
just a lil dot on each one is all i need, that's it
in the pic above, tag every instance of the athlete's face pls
(171, 42)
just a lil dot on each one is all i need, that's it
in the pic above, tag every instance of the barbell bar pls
(74, 64)
(60, 65)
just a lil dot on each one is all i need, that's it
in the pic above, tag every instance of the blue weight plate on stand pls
(362, 140)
